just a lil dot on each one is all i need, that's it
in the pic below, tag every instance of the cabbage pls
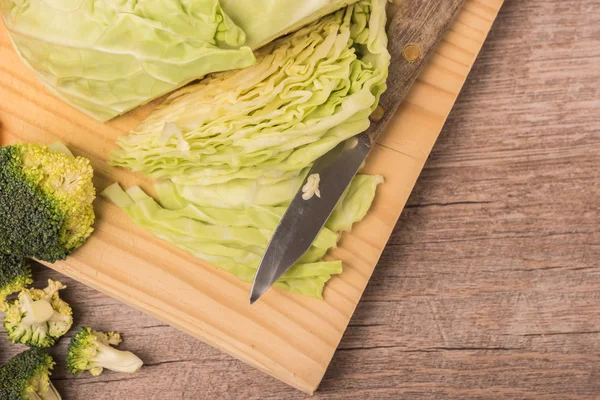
(234, 239)
(308, 92)
(237, 146)
(106, 57)
(239, 193)
(354, 203)
(265, 20)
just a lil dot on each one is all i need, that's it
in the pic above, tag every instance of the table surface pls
(490, 284)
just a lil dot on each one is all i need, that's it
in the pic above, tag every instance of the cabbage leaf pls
(265, 20)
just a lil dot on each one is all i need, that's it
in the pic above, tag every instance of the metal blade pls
(303, 219)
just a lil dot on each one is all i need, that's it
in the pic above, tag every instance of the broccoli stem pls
(36, 312)
(116, 360)
(50, 394)
(60, 147)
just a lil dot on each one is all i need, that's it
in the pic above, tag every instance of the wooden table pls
(490, 285)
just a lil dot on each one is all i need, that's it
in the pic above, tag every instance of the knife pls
(413, 34)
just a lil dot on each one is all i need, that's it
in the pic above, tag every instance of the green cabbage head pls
(106, 57)
(266, 20)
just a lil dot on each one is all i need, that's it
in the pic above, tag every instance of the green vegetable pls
(92, 351)
(27, 377)
(265, 20)
(308, 92)
(355, 203)
(38, 317)
(45, 201)
(106, 57)
(237, 146)
(15, 275)
(238, 193)
(234, 239)
(236, 227)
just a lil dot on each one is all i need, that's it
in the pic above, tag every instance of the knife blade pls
(413, 34)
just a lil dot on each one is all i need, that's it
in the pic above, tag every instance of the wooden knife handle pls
(413, 35)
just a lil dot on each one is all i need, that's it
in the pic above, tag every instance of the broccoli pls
(26, 377)
(91, 351)
(15, 274)
(46, 199)
(38, 317)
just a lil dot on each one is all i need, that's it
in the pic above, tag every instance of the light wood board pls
(288, 336)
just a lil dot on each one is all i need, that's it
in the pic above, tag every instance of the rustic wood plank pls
(490, 285)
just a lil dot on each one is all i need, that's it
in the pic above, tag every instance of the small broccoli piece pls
(45, 201)
(38, 317)
(92, 351)
(27, 377)
(15, 275)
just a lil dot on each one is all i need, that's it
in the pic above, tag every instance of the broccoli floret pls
(45, 201)
(91, 351)
(27, 377)
(15, 275)
(38, 317)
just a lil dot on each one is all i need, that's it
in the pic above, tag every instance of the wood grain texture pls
(290, 337)
(490, 284)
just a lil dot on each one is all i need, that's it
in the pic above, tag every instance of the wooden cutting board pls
(290, 337)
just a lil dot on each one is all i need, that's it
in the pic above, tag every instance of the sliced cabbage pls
(106, 57)
(232, 235)
(237, 146)
(308, 92)
(235, 239)
(239, 193)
